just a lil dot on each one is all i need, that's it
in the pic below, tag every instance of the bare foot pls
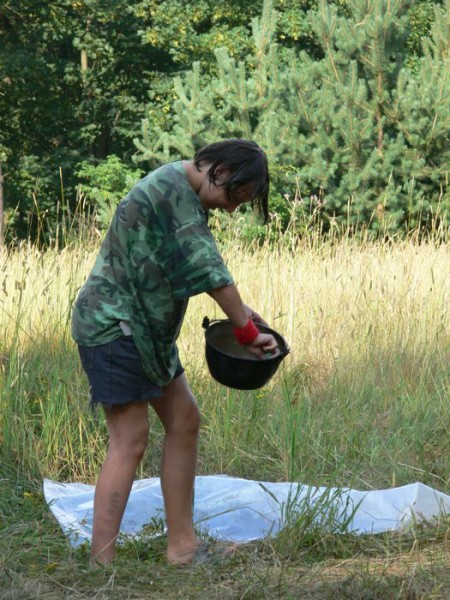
(206, 552)
(181, 558)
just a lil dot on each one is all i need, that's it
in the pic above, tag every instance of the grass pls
(362, 401)
(36, 562)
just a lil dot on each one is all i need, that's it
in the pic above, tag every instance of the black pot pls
(231, 364)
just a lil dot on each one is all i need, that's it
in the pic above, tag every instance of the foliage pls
(189, 33)
(362, 103)
(105, 184)
(358, 133)
(421, 18)
(75, 76)
(78, 76)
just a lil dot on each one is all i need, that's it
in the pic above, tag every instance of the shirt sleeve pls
(193, 263)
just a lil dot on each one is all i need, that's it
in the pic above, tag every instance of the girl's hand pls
(262, 345)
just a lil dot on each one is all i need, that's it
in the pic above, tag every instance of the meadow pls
(362, 401)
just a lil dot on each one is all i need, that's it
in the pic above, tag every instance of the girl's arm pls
(230, 302)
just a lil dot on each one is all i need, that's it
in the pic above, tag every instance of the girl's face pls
(214, 195)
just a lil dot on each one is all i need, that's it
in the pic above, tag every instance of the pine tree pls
(357, 133)
(369, 103)
(422, 111)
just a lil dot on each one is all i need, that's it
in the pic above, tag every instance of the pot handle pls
(207, 322)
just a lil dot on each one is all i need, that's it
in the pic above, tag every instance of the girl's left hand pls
(263, 345)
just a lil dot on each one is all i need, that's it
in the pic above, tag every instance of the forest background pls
(350, 99)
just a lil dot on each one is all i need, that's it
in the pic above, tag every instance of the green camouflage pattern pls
(158, 252)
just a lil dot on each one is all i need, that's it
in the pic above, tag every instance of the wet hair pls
(247, 164)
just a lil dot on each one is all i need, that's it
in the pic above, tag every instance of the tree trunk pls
(83, 61)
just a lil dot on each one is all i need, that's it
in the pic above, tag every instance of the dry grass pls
(362, 401)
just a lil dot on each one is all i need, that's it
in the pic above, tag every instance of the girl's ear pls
(222, 174)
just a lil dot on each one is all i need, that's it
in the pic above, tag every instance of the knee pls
(138, 446)
(133, 445)
(187, 422)
(193, 419)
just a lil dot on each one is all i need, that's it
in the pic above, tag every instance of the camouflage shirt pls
(157, 253)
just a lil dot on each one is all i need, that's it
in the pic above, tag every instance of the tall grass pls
(361, 401)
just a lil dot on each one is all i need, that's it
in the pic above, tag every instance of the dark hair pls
(246, 162)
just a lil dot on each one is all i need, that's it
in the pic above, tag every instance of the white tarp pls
(242, 510)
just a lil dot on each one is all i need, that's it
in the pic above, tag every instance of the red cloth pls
(246, 334)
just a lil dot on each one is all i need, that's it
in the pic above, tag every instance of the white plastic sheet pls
(242, 510)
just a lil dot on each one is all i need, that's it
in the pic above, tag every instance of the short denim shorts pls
(116, 375)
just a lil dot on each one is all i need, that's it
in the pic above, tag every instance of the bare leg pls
(180, 417)
(128, 436)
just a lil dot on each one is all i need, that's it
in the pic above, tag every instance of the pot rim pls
(210, 323)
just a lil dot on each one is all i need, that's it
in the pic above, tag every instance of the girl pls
(157, 253)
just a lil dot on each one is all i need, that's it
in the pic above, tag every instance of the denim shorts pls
(115, 373)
